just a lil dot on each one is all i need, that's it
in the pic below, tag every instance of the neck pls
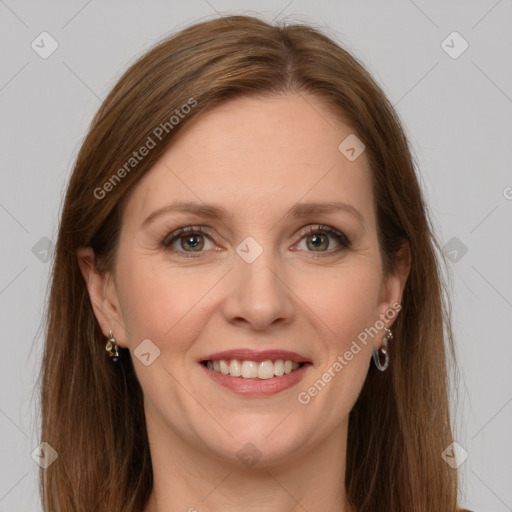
(186, 478)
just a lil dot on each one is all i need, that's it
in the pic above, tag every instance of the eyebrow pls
(212, 211)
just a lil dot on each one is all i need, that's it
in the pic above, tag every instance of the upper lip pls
(247, 354)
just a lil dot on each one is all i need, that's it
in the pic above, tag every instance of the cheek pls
(159, 302)
(344, 300)
(346, 306)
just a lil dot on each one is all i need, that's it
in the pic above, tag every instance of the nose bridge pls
(258, 293)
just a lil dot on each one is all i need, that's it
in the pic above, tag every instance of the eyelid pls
(339, 236)
(314, 228)
(175, 234)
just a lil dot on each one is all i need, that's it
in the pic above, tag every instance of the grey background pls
(457, 113)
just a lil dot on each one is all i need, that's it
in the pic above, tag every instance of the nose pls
(258, 297)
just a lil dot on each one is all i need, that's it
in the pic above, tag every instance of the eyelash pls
(318, 229)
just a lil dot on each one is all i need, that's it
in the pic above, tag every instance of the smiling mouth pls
(246, 369)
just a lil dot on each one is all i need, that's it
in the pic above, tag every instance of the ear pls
(103, 296)
(393, 287)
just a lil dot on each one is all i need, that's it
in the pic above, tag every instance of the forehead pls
(259, 155)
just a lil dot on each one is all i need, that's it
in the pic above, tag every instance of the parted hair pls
(92, 410)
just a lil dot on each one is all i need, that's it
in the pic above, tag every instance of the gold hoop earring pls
(112, 348)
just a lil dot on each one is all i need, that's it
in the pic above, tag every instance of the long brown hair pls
(92, 411)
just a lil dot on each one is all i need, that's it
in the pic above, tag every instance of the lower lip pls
(256, 388)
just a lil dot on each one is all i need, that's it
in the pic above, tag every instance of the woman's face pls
(269, 273)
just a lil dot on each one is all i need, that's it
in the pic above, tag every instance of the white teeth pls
(279, 368)
(235, 370)
(266, 370)
(224, 368)
(250, 369)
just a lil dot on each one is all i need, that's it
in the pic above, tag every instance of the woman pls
(246, 309)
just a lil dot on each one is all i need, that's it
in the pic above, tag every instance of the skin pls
(257, 158)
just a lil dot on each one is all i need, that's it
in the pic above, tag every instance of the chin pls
(263, 443)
